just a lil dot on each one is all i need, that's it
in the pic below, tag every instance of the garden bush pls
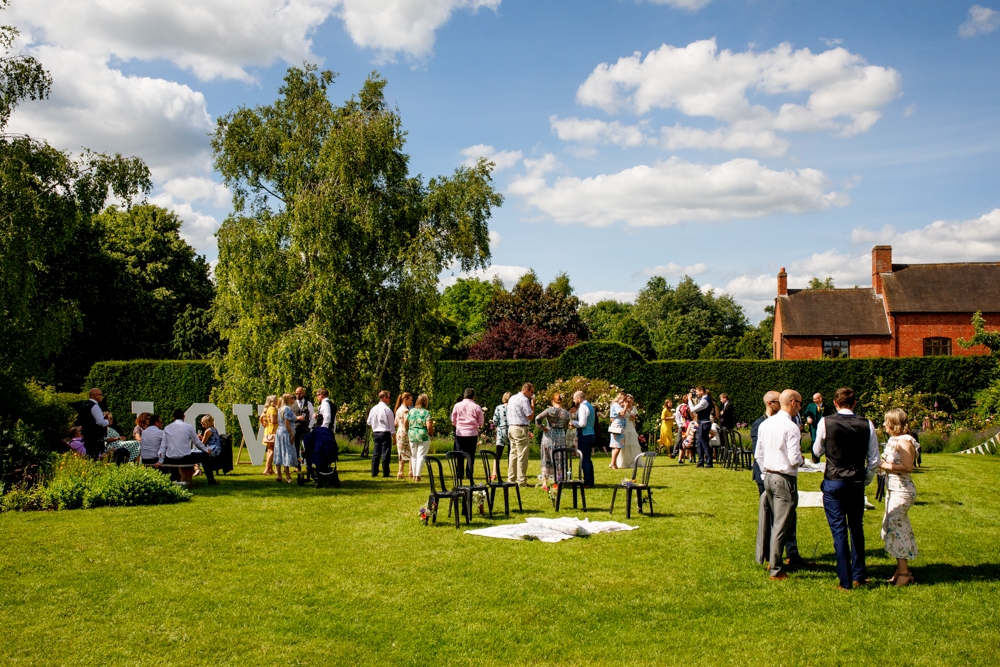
(79, 483)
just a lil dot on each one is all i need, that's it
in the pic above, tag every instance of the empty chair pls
(462, 479)
(453, 496)
(645, 460)
(489, 460)
(562, 462)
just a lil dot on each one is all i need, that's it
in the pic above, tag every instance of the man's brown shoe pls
(781, 576)
(858, 584)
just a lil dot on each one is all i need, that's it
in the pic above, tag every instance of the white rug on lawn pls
(815, 499)
(551, 530)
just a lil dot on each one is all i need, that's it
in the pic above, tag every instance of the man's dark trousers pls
(382, 449)
(703, 437)
(844, 503)
(585, 443)
(467, 444)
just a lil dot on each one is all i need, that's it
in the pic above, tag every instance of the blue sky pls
(722, 138)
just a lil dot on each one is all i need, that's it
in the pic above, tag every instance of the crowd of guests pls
(851, 447)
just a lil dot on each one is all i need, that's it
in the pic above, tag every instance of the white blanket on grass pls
(815, 499)
(551, 530)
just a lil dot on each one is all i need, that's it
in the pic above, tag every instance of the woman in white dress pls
(630, 446)
(897, 461)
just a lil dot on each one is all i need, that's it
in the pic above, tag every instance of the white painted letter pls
(198, 409)
(251, 437)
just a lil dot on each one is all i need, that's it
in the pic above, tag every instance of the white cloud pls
(981, 21)
(495, 240)
(836, 41)
(223, 38)
(976, 240)
(733, 138)
(91, 105)
(844, 92)
(603, 295)
(591, 131)
(689, 5)
(408, 26)
(502, 159)
(674, 191)
(508, 274)
(910, 110)
(194, 188)
(673, 269)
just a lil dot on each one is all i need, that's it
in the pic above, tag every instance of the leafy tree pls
(194, 337)
(553, 308)
(682, 320)
(720, 347)
(631, 331)
(21, 77)
(602, 317)
(754, 345)
(816, 283)
(47, 200)
(136, 279)
(981, 336)
(512, 340)
(328, 266)
(465, 303)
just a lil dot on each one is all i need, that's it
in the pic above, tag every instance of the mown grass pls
(256, 573)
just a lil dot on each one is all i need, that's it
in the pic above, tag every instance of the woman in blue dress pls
(285, 455)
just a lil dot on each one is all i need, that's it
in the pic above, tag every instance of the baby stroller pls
(321, 459)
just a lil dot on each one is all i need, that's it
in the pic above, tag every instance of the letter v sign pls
(253, 438)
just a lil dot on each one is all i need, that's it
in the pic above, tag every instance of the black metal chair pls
(646, 461)
(562, 462)
(453, 496)
(462, 479)
(489, 459)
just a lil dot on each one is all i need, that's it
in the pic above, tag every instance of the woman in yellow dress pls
(269, 422)
(667, 425)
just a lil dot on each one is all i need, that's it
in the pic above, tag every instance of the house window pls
(937, 347)
(835, 349)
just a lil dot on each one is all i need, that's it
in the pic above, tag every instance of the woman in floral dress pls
(503, 439)
(897, 461)
(554, 420)
(403, 405)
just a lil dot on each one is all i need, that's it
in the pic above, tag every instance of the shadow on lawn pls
(257, 485)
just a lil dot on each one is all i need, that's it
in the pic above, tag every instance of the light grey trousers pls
(764, 519)
(781, 493)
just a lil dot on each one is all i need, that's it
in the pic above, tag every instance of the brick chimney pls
(782, 282)
(881, 263)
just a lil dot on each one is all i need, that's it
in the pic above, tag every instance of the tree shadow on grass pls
(265, 486)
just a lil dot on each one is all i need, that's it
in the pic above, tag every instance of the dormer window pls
(937, 347)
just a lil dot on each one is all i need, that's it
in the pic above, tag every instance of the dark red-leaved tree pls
(512, 340)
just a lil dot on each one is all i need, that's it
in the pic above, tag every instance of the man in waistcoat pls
(851, 448)
(94, 423)
(305, 416)
(586, 416)
(702, 412)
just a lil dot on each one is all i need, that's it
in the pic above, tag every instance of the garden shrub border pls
(745, 381)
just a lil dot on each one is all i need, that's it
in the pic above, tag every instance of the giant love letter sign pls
(253, 439)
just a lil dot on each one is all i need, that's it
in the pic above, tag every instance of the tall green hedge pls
(169, 384)
(744, 381)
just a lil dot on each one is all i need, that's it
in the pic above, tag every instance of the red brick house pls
(910, 310)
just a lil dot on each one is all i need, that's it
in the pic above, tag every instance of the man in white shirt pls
(520, 413)
(178, 448)
(779, 454)
(381, 420)
(327, 415)
(94, 424)
(851, 447)
(152, 437)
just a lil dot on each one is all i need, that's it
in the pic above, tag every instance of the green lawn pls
(256, 573)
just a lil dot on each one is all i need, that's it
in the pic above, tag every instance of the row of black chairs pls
(459, 496)
(730, 452)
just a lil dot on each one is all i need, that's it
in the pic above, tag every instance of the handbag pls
(617, 426)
